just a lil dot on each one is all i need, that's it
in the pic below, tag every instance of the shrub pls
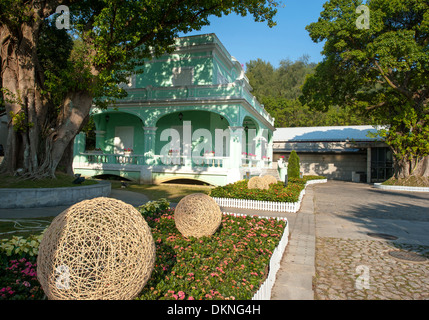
(293, 167)
(276, 191)
(154, 207)
(19, 246)
(18, 278)
(312, 177)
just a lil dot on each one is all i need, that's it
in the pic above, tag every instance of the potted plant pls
(209, 154)
(128, 151)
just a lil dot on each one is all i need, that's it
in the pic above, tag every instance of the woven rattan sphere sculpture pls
(257, 183)
(99, 249)
(269, 179)
(197, 215)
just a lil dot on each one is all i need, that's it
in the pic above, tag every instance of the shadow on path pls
(352, 210)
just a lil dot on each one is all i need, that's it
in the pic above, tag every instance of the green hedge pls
(276, 192)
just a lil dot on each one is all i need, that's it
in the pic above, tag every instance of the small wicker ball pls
(257, 183)
(99, 249)
(197, 215)
(269, 179)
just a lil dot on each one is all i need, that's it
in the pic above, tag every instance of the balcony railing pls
(180, 160)
(169, 160)
(114, 158)
(220, 91)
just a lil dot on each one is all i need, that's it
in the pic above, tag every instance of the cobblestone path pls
(362, 269)
(349, 264)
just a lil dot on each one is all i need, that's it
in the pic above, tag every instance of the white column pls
(235, 146)
(368, 165)
(149, 144)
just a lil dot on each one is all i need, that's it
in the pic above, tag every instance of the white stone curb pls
(401, 188)
(50, 197)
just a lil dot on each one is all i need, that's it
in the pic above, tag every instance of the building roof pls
(334, 133)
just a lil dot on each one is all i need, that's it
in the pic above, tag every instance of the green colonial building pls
(189, 115)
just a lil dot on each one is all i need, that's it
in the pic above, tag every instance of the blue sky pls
(248, 40)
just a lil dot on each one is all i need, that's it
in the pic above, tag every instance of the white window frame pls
(177, 71)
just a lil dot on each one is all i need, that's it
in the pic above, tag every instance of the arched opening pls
(192, 182)
(119, 131)
(250, 134)
(189, 133)
(110, 177)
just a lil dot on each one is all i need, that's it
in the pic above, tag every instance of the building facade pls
(346, 153)
(189, 115)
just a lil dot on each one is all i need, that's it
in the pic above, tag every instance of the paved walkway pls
(352, 264)
(295, 276)
(331, 254)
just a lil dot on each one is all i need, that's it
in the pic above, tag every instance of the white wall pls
(332, 166)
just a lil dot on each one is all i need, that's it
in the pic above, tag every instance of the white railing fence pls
(266, 205)
(265, 290)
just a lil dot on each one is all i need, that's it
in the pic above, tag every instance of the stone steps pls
(271, 172)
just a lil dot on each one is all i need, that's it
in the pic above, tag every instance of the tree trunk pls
(416, 167)
(421, 169)
(59, 144)
(38, 135)
(23, 100)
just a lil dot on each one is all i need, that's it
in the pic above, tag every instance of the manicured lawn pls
(410, 182)
(23, 227)
(171, 192)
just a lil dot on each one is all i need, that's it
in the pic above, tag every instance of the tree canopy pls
(50, 78)
(382, 71)
(279, 90)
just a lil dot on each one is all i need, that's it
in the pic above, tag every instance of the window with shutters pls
(183, 76)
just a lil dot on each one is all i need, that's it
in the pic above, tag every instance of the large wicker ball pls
(197, 215)
(99, 249)
(269, 179)
(257, 183)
